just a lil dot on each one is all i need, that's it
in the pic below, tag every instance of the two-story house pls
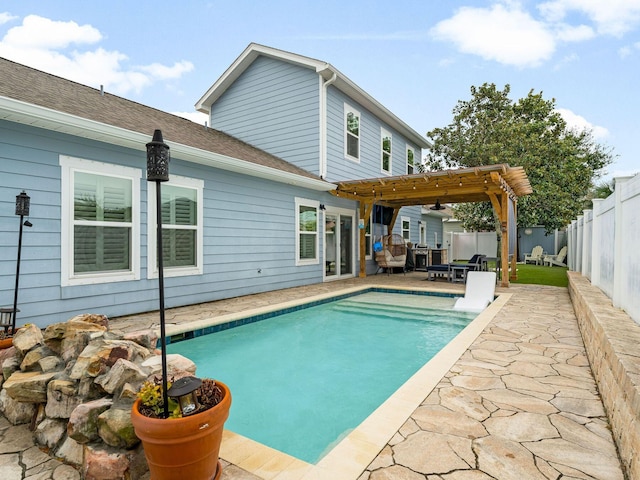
(247, 208)
(308, 113)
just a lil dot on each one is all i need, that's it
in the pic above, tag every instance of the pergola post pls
(514, 259)
(504, 227)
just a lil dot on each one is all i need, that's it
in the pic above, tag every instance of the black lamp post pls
(22, 209)
(158, 171)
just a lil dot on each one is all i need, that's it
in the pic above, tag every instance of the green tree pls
(490, 128)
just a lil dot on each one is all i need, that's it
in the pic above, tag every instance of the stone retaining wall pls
(612, 341)
(75, 383)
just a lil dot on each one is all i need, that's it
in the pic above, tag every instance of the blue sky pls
(418, 58)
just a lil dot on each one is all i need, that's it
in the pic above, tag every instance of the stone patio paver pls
(521, 403)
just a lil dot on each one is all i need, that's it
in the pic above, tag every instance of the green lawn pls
(541, 275)
(536, 274)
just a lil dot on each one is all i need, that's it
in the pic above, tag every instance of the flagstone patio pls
(520, 403)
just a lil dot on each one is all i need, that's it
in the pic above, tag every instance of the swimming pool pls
(303, 380)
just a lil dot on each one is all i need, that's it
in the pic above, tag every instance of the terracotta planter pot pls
(6, 343)
(183, 448)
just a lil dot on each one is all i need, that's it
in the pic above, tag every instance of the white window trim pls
(69, 166)
(402, 229)
(410, 148)
(348, 108)
(386, 133)
(152, 235)
(314, 204)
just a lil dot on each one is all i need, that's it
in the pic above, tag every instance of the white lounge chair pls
(535, 256)
(558, 259)
(479, 292)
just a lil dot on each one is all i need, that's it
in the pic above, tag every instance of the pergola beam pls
(499, 184)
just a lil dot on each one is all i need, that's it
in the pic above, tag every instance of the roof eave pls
(29, 114)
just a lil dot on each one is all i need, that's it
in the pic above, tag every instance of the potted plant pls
(187, 443)
(6, 340)
(8, 329)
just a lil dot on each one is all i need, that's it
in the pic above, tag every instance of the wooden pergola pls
(500, 184)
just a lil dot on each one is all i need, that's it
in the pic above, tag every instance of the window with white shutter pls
(182, 218)
(100, 222)
(306, 232)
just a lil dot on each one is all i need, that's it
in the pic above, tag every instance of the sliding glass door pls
(339, 243)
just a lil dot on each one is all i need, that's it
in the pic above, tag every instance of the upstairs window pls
(352, 133)
(410, 160)
(386, 151)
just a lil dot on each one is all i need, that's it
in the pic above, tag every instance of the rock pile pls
(75, 383)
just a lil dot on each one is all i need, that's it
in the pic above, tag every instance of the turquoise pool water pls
(303, 380)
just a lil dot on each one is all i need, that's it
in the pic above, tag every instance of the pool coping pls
(351, 456)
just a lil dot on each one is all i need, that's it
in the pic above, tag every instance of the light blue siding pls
(341, 168)
(274, 106)
(248, 226)
(434, 225)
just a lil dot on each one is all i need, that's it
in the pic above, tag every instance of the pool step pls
(403, 312)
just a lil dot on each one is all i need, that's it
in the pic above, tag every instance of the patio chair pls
(479, 292)
(475, 263)
(434, 271)
(558, 259)
(535, 256)
(391, 253)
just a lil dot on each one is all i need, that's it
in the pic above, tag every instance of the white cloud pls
(196, 117)
(6, 17)
(43, 33)
(507, 33)
(613, 17)
(69, 50)
(625, 51)
(579, 123)
(569, 33)
(164, 72)
(504, 33)
(628, 50)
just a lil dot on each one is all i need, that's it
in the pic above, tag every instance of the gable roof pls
(36, 98)
(324, 69)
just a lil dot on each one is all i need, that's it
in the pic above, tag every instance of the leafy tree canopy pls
(562, 164)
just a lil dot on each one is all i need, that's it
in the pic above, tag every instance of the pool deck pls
(513, 397)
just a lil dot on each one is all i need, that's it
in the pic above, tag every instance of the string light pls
(460, 184)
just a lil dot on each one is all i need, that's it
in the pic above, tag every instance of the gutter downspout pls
(323, 124)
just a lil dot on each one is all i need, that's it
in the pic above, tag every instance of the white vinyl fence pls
(604, 245)
(462, 246)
